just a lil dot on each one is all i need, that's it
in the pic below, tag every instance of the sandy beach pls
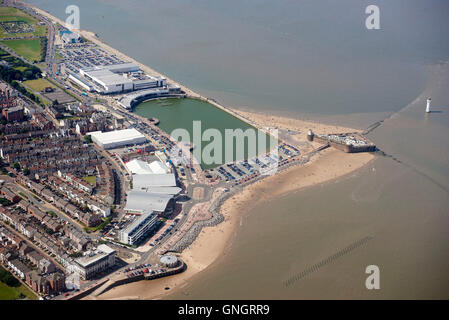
(213, 243)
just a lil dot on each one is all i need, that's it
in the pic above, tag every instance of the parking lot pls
(84, 55)
(243, 169)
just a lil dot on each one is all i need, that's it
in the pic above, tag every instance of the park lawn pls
(13, 293)
(26, 292)
(42, 99)
(38, 84)
(13, 14)
(91, 180)
(30, 49)
(40, 31)
(8, 293)
(21, 69)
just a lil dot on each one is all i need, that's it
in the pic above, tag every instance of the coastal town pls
(92, 195)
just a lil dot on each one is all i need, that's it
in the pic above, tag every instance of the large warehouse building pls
(153, 188)
(121, 77)
(81, 82)
(153, 192)
(117, 138)
(144, 181)
(139, 202)
(106, 80)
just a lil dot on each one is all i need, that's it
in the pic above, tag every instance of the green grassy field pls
(91, 180)
(38, 84)
(13, 14)
(58, 56)
(13, 293)
(27, 292)
(7, 293)
(30, 49)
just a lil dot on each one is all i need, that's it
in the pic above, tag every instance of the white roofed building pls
(117, 138)
(139, 228)
(139, 202)
(70, 37)
(159, 167)
(152, 190)
(144, 181)
(141, 167)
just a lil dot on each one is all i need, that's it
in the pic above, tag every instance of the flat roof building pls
(139, 202)
(129, 100)
(109, 78)
(144, 181)
(152, 192)
(117, 138)
(107, 81)
(139, 228)
(94, 262)
(70, 37)
(14, 113)
(81, 82)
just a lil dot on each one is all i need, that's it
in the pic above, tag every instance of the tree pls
(76, 254)
(26, 171)
(8, 279)
(5, 202)
(28, 74)
(51, 213)
(16, 165)
(88, 139)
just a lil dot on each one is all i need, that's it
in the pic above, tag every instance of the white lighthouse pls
(428, 105)
(310, 135)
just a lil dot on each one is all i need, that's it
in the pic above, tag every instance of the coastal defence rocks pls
(190, 236)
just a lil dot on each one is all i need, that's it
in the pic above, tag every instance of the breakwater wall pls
(216, 104)
(88, 291)
(115, 283)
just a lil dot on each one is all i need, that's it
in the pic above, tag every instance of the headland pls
(319, 166)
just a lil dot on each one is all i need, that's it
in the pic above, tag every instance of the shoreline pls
(214, 243)
(324, 167)
(92, 36)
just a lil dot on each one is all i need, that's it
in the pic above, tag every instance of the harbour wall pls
(126, 280)
(344, 147)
